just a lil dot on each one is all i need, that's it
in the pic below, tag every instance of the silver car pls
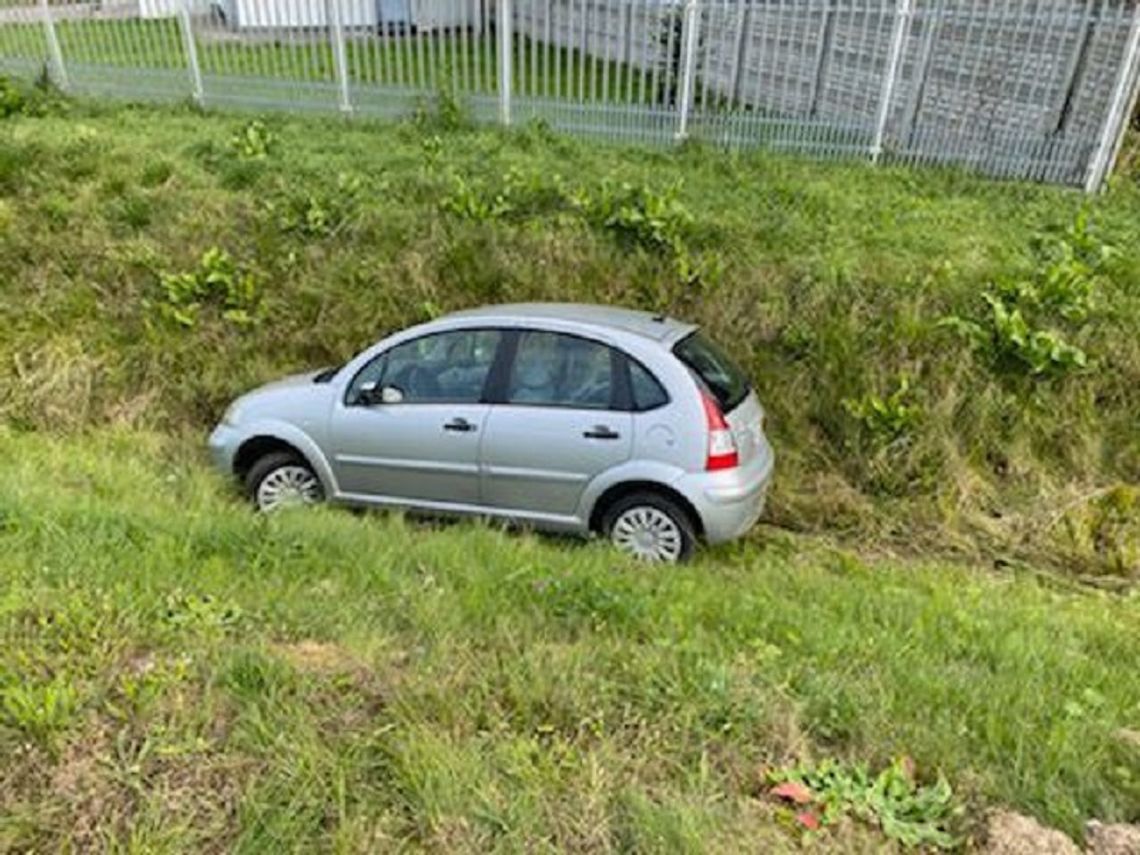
(571, 418)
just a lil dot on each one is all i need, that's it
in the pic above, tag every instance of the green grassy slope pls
(179, 673)
(907, 413)
(176, 673)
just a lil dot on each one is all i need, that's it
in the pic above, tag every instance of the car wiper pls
(327, 374)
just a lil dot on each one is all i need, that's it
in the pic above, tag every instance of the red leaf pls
(792, 791)
(808, 820)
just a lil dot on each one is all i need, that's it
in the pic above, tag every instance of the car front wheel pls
(650, 527)
(281, 480)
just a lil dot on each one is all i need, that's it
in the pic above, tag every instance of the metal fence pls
(1037, 89)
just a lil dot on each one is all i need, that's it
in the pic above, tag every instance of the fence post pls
(890, 76)
(191, 48)
(1116, 122)
(57, 70)
(335, 17)
(503, 28)
(689, 24)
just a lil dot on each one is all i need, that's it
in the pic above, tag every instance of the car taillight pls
(722, 444)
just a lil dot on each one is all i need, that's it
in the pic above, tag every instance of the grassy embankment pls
(909, 413)
(177, 670)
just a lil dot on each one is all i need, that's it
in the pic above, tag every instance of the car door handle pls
(460, 425)
(601, 432)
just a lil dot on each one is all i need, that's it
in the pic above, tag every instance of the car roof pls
(659, 328)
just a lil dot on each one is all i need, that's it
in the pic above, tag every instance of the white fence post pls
(1116, 122)
(184, 24)
(689, 24)
(340, 56)
(890, 76)
(57, 71)
(503, 29)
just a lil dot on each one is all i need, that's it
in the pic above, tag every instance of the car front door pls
(555, 425)
(409, 427)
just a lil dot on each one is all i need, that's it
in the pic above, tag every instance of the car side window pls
(448, 367)
(647, 392)
(557, 370)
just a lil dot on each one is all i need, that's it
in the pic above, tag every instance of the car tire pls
(651, 527)
(282, 479)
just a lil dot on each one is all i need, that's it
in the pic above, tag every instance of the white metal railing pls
(1038, 89)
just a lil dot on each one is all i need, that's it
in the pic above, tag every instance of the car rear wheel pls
(651, 527)
(281, 480)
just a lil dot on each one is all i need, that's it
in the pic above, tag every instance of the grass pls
(953, 491)
(179, 673)
(831, 283)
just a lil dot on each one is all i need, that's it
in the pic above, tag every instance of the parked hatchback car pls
(572, 418)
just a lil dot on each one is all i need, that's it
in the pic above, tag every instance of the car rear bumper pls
(730, 503)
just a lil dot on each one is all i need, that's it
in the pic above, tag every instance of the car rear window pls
(728, 384)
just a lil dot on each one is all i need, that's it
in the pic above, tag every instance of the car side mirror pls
(370, 394)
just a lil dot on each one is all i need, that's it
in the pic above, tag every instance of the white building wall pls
(169, 8)
(274, 14)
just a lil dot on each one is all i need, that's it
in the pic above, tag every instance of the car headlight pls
(231, 415)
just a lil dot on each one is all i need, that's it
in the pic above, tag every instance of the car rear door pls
(555, 425)
(423, 448)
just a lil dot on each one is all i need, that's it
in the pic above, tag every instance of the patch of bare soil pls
(1009, 833)
(1118, 839)
(318, 657)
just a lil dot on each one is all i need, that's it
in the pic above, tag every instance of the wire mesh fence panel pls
(123, 49)
(1014, 89)
(1034, 89)
(23, 42)
(595, 66)
(271, 53)
(414, 52)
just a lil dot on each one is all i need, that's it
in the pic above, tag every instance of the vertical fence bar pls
(192, 66)
(822, 55)
(705, 27)
(890, 77)
(580, 54)
(334, 15)
(503, 30)
(689, 24)
(560, 50)
(931, 21)
(1116, 121)
(740, 54)
(58, 71)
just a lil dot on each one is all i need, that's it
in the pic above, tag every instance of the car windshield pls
(715, 368)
